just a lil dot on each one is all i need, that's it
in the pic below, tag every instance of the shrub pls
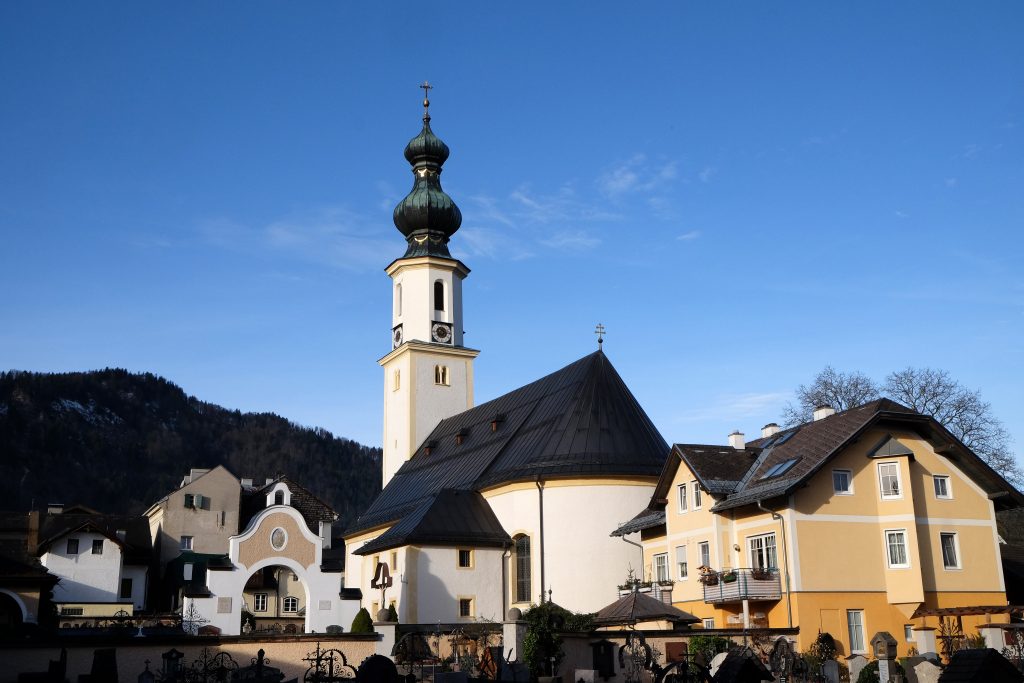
(708, 646)
(362, 623)
(869, 674)
(392, 614)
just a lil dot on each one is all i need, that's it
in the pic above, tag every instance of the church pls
(498, 505)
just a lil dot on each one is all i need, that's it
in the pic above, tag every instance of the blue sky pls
(741, 193)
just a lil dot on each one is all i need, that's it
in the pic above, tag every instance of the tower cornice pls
(426, 261)
(438, 349)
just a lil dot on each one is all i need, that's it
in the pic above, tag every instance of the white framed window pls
(842, 482)
(97, 546)
(661, 567)
(855, 627)
(259, 602)
(682, 568)
(942, 486)
(889, 480)
(697, 502)
(709, 623)
(896, 548)
(291, 604)
(186, 543)
(950, 549)
(763, 552)
(704, 549)
(682, 498)
(908, 633)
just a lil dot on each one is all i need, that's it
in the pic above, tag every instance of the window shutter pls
(189, 500)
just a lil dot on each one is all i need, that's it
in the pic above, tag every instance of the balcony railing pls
(734, 585)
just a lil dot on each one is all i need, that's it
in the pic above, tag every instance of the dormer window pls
(428, 447)
(461, 436)
(279, 495)
(279, 498)
(496, 421)
(438, 295)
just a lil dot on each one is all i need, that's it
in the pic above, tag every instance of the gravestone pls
(856, 664)
(830, 671)
(925, 672)
(514, 671)
(378, 668)
(584, 676)
(451, 677)
(716, 662)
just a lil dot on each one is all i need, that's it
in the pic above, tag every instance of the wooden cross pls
(599, 331)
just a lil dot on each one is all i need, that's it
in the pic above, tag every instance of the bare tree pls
(840, 390)
(961, 411)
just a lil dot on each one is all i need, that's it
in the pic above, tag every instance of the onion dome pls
(427, 217)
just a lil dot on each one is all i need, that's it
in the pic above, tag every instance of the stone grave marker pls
(830, 671)
(856, 664)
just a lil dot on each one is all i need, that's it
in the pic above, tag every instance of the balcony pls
(736, 585)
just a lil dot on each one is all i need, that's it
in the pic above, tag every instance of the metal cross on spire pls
(599, 331)
(426, 99)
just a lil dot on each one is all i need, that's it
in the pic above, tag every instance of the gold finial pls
(599, 331)
(426, 99)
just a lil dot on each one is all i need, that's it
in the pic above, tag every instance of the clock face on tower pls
(396, 337)
(441, 333)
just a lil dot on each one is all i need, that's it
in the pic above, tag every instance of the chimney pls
(770, 429)
(54, 508)
(736, 440)
(821, 412)
(247, 482)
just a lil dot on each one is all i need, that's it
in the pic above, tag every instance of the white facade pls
(425, 379)
(278, 536)
(87, 576)
(428, 583)
(583, 565)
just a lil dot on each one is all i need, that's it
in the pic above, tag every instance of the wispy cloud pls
(689, 236)
(577, 240)
(707, 173)
(332, 236)
(951, 182)
(636, 175)
(901, 214)
(489, 243)
(737, 407)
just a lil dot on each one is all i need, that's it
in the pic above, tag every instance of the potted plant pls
(708, 576)
(761, 573)
(728, 576)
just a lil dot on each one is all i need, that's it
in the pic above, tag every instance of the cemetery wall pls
(282, 652)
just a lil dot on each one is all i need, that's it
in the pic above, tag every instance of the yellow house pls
(857, 522)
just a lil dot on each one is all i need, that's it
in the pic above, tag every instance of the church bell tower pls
(428, 375)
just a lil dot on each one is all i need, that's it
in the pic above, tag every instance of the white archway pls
(26, 617)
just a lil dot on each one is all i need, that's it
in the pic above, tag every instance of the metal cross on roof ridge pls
(426, 99)
(599, 331)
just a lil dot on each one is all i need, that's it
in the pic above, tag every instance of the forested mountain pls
(118, 442)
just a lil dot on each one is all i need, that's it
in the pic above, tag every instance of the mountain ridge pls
(119, 441)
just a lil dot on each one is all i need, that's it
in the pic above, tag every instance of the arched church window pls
(398, 300)
(398, 380)
(441, 375)
(279, 498)
(438, 295)
(522, 568)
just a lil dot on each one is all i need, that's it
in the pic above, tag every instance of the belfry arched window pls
(441, 375)
(398, 300)
(438, 295)
(523, 587)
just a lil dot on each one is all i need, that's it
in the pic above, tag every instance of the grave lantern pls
(883, 645)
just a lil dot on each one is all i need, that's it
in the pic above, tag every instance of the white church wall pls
(583, 564)
(441, 583)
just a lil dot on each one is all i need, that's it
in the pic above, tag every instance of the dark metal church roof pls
(579, 421)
